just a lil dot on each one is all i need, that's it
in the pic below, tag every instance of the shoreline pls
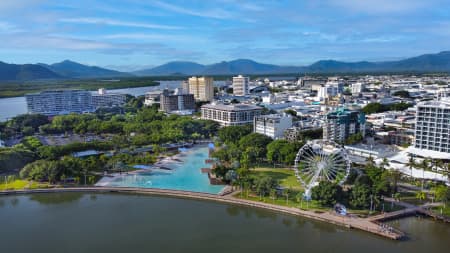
(357, 223)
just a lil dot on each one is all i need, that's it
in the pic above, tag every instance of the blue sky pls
(133, 34)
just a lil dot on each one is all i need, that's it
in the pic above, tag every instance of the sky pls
(134, 34)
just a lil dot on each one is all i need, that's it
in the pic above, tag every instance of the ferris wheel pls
(321, 160)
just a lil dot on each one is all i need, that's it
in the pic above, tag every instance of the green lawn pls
(281, 201)
(22, 184)
(286, 177)
(445, 210)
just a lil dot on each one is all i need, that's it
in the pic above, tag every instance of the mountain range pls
(67, 69)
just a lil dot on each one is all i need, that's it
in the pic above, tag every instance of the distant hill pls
(439, 62)
(245, 66)
(67, 69)
(72, 69)
(22, 72)
(240, 66)
(175, 67)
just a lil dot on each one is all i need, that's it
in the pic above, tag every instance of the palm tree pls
(370, 161)
(420, 195)
(286, 193)
(425, 165)
(273, 194)
(411, 164)
(299, 198)
(384, 163)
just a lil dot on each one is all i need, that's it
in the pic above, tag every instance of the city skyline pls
(130, 35)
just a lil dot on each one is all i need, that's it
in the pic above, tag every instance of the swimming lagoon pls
(184, 174)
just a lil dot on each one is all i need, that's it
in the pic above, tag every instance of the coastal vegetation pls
(136, 136)
(16, 89)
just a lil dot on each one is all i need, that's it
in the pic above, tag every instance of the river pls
(77, 222)
(11, 107)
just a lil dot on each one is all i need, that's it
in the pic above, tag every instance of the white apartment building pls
(202, 88)
(104, 99)
(59, 102)
(272, 125)
(230, 115)
(240, 85)
(357, 88)
(327, 91)
(432, 133)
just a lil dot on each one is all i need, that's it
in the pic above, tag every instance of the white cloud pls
(147, 36)
(210, 13)
(113, 22)
(382, 6)
(21, 41)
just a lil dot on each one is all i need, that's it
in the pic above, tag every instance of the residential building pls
(240, 85)
(230, 115)
(185, 87)
(59, 102)
(104, 99)
(342, 123)
(432, 132)
(272, 125)
(357, 88)
(327, 91)
(176, 102)
(202, 88)
(152, 97)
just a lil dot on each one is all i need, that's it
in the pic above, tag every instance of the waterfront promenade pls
(364, 224)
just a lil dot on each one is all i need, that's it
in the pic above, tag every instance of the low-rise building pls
(272, 125)
(152, 98)
(230, 115)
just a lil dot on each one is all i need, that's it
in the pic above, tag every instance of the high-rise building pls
(185, 87)
(176, 102)
(432, 133)
(230, 115)
(59, 102)
(240, 85)
(272, 125)
(202, 88)
(357, 88)
(342, 123)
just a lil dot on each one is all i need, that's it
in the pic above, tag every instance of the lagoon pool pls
(185, 175)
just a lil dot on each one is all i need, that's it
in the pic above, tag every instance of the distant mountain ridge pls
(439, 62)
(20, 72)
(72, 69)
(67, 69)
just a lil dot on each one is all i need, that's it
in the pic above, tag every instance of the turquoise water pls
(185, 175)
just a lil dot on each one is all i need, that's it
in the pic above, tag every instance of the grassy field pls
(22, 184)
(445, 210)
(22, 88)
(285, 177)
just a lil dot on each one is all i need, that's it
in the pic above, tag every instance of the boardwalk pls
(329, 217)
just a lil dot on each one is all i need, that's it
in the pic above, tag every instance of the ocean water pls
(185, 175)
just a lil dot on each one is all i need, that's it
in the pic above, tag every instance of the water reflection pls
(14, 201)
(56, 198)
(235, 210)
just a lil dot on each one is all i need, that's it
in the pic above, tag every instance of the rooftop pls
(232, 107)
